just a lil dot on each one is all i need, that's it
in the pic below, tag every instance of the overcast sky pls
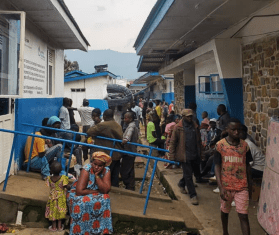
(111, 24)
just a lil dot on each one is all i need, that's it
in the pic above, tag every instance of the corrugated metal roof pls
(88, 76)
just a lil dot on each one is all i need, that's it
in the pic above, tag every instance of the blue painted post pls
(145, 172)
(70, 157)
(10, 163)
(31, 150)
(150, 186)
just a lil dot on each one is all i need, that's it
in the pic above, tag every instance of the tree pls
(69, 65)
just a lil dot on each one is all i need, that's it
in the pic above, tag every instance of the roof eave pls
(156, 15)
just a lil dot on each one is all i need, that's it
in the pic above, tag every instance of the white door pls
(12, 34)
(6, 139)
(77, 95)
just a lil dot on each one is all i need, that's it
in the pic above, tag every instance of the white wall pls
(205, 68)
(135, 89)
(122, 82)
(158, 91)
(169, 85)
(95, 88)
(59, 74)
(35, 66)
(189, 76)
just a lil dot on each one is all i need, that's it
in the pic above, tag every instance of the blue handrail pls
(88, 145)
(99, 137)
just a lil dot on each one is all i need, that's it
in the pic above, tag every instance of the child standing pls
(232, 170)
(205, 117)
(56, 207)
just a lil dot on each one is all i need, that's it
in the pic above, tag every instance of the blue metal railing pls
(151, 148)
(16, 133)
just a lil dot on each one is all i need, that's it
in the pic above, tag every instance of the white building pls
(121, 82)
(79, 85)
(33, 37)
(135, 88)
(160, 87)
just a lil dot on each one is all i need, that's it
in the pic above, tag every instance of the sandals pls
(52, 229)
(61, 229)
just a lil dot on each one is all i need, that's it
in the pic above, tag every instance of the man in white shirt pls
(257, 166)
(117, 114)
(85, 113)
(137, 110)
(64, 115)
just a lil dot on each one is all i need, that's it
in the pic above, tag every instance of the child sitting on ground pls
(56, 208)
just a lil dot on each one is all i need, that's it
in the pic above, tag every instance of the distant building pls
(154, 86)
(121, 81)
(135, 88)
(79, 85)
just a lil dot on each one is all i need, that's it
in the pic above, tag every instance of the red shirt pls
(170, 107)
(233, 161)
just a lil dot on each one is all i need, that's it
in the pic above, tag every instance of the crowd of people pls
(95, 175)
(216, 149)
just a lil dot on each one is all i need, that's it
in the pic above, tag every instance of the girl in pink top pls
(205, 118)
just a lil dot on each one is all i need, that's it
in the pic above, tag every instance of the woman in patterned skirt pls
(88, 199)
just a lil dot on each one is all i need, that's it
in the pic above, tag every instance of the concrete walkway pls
(208, 210)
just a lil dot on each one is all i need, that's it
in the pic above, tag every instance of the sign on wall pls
(35, 67)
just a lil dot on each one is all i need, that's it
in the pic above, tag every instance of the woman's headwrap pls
(53, 120)
(103, 157)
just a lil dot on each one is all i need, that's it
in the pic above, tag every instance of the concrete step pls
(29, 195)
(37, 231)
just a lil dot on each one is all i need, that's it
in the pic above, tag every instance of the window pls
(9, 53)
(4, 106)
(78, 89)
(50, 77)
(210, 84)
(215, 84)
(204, 84)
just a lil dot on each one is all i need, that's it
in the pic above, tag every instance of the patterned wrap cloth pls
(56, 208)
(90, 214)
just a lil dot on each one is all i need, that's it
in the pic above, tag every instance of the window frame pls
(205, 91)
(210, 85)
(22, 15)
